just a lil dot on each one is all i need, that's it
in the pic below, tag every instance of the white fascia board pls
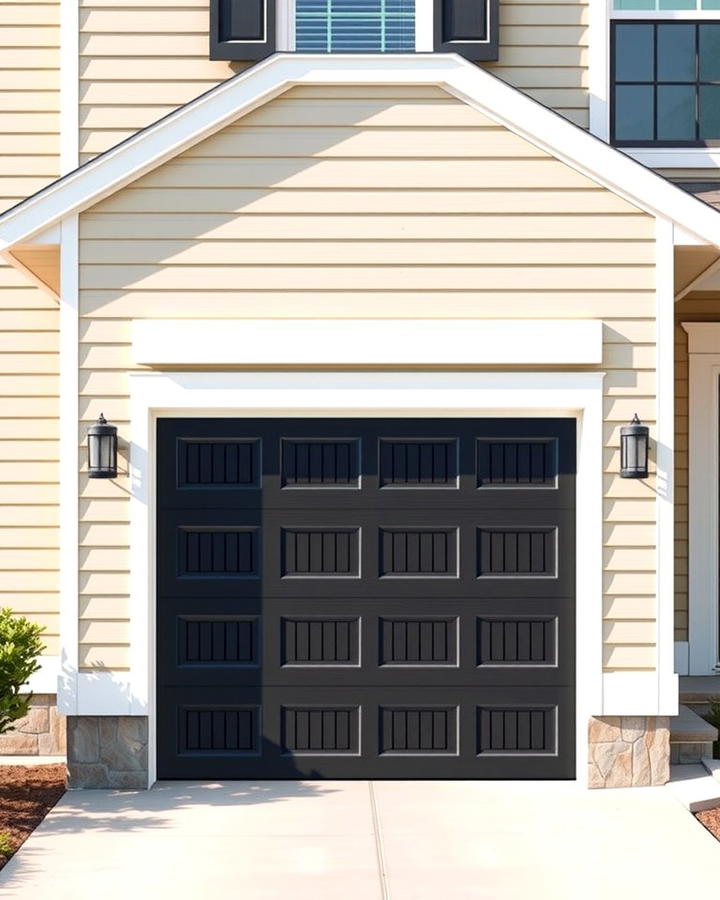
(682, 238)
(377, 342)
(236, 97)
(50, 236)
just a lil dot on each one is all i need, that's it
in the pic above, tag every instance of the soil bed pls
(710, 818)
(27, 794)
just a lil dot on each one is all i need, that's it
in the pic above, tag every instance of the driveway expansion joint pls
(377, 831)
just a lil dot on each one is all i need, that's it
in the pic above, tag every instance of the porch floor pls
(699, 688)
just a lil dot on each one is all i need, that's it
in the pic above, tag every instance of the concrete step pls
(691, 738)
(712, 767)
(694, 787)
(699, 688)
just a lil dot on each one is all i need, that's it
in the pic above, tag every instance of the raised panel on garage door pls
(352, 598)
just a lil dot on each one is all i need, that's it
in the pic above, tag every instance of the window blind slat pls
(355, 26)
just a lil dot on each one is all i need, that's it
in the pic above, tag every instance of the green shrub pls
(713, 717)
(20, 645)
(6, 847)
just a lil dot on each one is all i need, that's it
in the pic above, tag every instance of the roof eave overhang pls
(243, 93)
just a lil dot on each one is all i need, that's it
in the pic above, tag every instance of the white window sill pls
(675, 158)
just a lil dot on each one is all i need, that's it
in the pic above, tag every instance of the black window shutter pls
(242, 29)
(467, 27)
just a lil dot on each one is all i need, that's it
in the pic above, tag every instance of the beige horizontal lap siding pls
(543, 52)
(139, 61)
(29, 159)
(700, 306)
(368, 202)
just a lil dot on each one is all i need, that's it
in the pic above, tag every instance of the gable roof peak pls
(234, 98)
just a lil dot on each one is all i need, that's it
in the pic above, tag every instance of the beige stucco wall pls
(29, 150)
(348, 226)
(140, 60)
(699, 306)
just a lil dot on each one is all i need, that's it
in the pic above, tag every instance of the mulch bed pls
(710, 818)
(27, 794)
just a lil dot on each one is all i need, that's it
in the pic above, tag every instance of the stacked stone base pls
(108, 752)
(628, 751)
(112, 751)
(41, 733)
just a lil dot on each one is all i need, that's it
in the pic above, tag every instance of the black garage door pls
(366, 598)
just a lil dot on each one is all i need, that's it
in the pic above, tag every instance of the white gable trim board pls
(239, 95)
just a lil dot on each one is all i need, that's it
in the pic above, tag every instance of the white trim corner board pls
(69, 467)
(703, 503)
(667, 688)
(45, 680)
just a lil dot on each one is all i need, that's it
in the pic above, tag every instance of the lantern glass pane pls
(94, 451)
(105, 445)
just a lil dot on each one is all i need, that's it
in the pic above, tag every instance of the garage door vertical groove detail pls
(365, 598)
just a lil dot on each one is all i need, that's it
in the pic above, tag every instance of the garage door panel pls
(453, 642)
(400, 733)
(362, 465)
(366, 598)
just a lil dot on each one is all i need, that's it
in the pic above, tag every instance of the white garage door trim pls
(295, 394)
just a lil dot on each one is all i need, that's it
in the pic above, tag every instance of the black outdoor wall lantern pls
(634, 439)
(102, 449)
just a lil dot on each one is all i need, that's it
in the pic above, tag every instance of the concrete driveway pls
(346, 840)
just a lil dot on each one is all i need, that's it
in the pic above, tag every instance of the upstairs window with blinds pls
(355, 26)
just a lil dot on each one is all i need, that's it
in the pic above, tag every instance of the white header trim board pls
(384, 342)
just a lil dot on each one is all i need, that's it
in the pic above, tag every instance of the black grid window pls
(665, 83)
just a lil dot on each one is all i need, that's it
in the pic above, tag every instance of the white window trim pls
(424, 26)
(601, 15)
(369, 394)
(678, 15)
(703, 504)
